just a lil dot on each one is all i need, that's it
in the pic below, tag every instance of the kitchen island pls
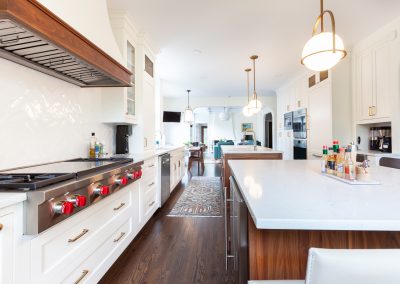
(244, 152)
(292, 207)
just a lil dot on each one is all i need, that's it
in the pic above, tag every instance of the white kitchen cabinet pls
(319, 118)
(65, 250)
(375, 80)
(148, 114)
(119, 104)
(149, 190)
(6, 245)
(135, 105)
(178, 168)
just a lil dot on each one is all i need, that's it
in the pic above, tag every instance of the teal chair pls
(217, 148)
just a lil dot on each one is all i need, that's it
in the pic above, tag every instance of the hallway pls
(175, 249)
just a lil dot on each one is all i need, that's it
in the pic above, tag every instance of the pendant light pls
(188, 116)
(325, 49)
(246, 111)
(254, 105)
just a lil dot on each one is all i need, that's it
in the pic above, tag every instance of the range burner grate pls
(31, 181)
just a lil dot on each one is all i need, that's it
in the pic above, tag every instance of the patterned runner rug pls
(201, 198)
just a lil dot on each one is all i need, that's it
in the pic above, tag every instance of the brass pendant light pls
(246, 110)
(254, 105)
(325, 49)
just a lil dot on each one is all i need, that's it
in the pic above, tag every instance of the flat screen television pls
(171, 116)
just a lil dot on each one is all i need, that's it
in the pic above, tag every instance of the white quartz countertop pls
(247, 149)
(138, 157)
(8, 199)
(294, 195)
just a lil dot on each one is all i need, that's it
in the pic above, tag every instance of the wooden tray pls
(353, 182)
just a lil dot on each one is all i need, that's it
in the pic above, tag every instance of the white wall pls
(45, 119)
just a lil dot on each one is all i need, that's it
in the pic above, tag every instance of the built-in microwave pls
(288, 121)
(300, 124)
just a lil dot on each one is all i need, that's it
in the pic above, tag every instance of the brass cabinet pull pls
(151, 166)
(298, 103)
(119, 238)
(84, 232)
(119, 207)
(1, 227)
(373, 110)
(84, 273)
(369, 111)
(151, 184)
(151, 204)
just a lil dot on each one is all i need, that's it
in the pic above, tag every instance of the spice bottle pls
(350, 171)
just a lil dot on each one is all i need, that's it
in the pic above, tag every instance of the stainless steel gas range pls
(59, 190)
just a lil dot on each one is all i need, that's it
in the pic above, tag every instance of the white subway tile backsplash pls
(45, 119)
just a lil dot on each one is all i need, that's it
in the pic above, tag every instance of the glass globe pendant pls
(255, 106)
(325, 49)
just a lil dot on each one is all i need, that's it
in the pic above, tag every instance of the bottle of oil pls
(92, 146)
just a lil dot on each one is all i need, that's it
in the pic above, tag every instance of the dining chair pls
(196, 156)
(390, 163)
(349, 266)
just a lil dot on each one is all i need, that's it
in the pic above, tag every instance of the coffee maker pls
(122, 141)
(380, 139)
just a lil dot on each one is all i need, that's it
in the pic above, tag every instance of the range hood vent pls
(33, 36)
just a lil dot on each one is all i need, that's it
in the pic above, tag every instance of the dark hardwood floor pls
(172, 250)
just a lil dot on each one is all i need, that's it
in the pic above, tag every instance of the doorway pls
(268, 131)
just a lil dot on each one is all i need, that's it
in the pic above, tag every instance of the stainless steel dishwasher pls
(165, 177)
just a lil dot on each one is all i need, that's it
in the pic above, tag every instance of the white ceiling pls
(228, 32)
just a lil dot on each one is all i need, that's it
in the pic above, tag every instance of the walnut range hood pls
(33, 36)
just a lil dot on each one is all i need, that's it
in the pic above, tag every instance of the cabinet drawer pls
(149, 202)
(88, 271)
(73, 239)
(148, 184)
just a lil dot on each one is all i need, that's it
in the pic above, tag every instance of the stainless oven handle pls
(227, 256)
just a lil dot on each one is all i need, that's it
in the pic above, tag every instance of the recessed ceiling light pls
(196, 51)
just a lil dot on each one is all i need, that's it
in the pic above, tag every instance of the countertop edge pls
(9, 199)
(145, 156)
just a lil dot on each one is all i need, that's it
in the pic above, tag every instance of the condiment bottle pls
(331, 167)
(324, 159)
(349, 169)
(340, 163)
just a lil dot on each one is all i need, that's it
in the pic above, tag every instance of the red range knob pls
(67, 208)
(102, 190)
(140, 173)
(63, 207)
(122, 181)
(80, 200)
